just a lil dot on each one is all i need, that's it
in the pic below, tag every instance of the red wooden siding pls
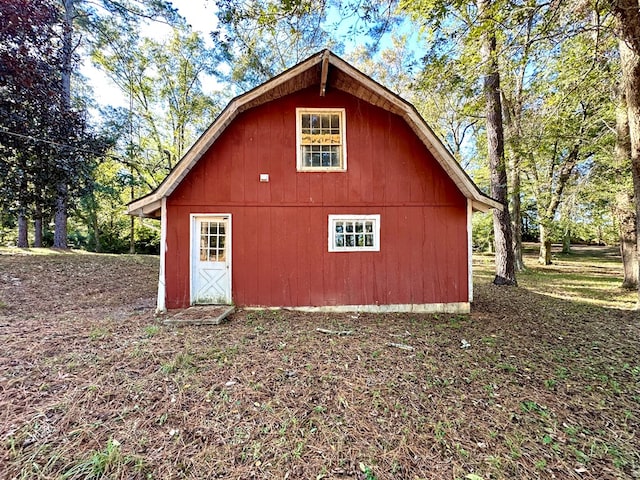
(280, 255)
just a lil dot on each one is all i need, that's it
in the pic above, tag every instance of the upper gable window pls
(321, 139)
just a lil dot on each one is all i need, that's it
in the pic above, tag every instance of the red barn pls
(318, 189)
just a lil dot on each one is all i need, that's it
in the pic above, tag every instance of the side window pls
(321, 139)
(353, 233)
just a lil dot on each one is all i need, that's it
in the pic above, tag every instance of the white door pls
(211, 259)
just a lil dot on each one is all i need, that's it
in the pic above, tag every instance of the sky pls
(198, 13)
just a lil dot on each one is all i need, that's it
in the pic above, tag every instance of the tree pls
(475, 29)
(505, 265)
(624, 205)
(86, 14)
(163, 80)
(259, 39)
(29, 108)
(627, 14)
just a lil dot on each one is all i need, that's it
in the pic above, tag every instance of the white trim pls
(454, 307)
(161, 305)
(470, 246)
(229, 241)
(343, 139)
(376, 233)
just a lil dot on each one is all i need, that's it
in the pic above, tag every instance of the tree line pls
(539, 100)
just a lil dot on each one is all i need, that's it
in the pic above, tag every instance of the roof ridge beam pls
(324, 73)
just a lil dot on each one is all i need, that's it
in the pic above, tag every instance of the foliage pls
(163, 80)
(258, 40)
(29, 105)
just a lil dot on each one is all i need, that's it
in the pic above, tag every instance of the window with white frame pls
(321, 139)
(354, 233)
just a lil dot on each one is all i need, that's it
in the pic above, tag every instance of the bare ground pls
(530, 385)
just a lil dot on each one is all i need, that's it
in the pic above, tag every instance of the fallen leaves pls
(84, 362)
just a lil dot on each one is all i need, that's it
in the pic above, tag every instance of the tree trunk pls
(96, 231)
(630, 62)
(132, 237)
(626, 217)
(624, 209)
(37, 227)
(544, 258)
(37, 232)
(132, 226)
(62, 191)
(60, 219)
(628, 29)
(566, 241)
(512, 122)
(505, 265)
(23, 229)
(516, 211)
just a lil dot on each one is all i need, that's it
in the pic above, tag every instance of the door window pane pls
(212, 241)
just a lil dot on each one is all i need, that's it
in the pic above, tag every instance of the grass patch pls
(591, 275)
(107, 463)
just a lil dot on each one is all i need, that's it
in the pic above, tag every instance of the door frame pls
(192, 230)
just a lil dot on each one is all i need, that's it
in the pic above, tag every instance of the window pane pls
(368, 240)
(213, 241)
(360, 240)
(203, 255)
(339, 240)
(350, 241)
(335, 156)
(306, 123)
(359, 227)
(335, 120)
(324, 122)
(221, 228)
(339, 227)
(349, 226)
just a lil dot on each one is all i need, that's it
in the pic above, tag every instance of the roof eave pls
(485, 204)
(147, 207)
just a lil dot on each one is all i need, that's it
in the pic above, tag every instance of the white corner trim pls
(454, 307)
(161, 306)
(470, 246)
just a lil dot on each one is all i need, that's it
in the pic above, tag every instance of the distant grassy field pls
(590, 274)
(540, 381)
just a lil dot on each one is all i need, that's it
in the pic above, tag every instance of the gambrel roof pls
(329, 71)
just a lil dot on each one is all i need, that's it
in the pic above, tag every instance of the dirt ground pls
(529, 385)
